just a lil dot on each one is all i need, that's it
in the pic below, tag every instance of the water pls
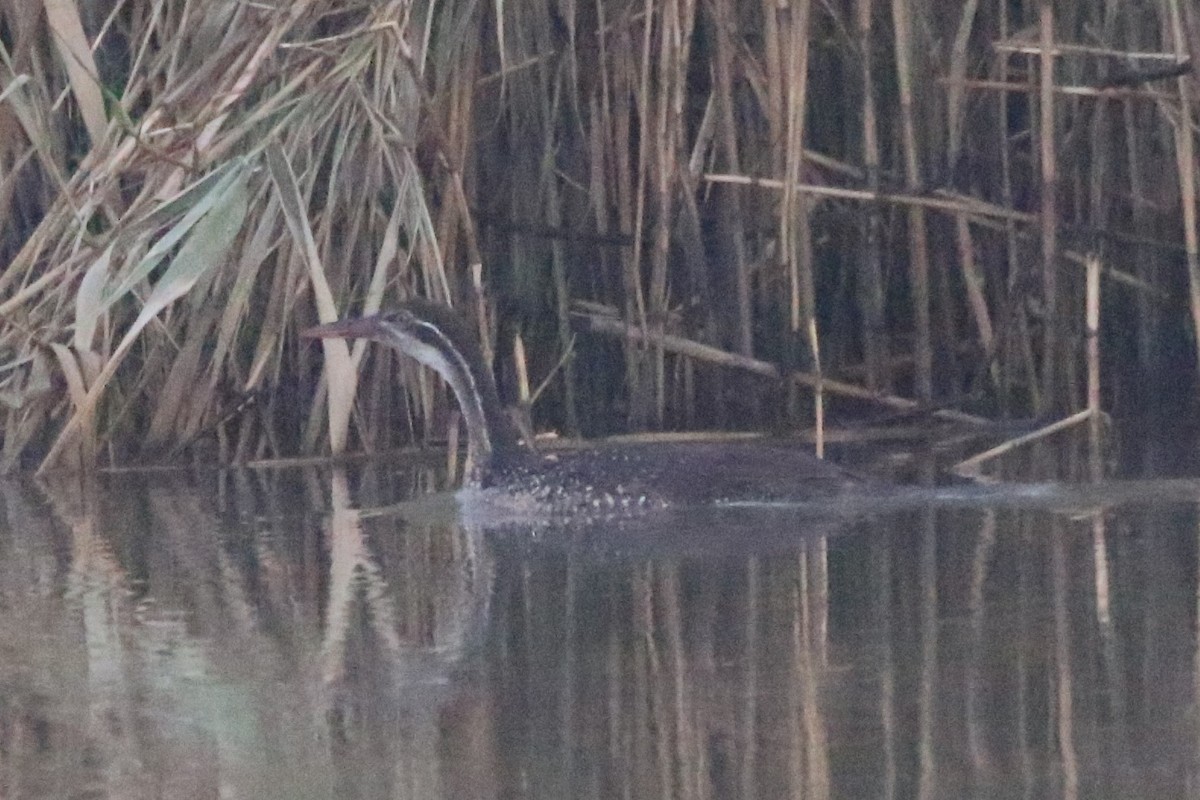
(293, 634)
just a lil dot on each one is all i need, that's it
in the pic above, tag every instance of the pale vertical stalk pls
(1147, 310)
(1015, 343)
(664, 172)
(795, 231)
(1095, 455)
(1024, 651)
(524, 410)
(1186, 154)
(1101, 582)
(918, 244)
(816, 741)
(558, 261)
(453, 428)
(798, 612)
(1065, 707)
(724, 57)
(1049, 210)
(568, 697)
(882, 606)
(820, 599)
(633, 282)
(521, 365)
(682, 691)
(973, 280)
(976, 707)
(927, 694)
(748, 779)
(1196, 647)
(871, 291)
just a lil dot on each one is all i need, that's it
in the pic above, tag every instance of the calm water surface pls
(293, 635)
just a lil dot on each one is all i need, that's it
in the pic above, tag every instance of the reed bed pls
(888, 195)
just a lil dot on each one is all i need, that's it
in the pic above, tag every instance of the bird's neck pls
(492, 438)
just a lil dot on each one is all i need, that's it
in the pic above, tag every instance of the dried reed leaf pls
(182, 390)
(207, 246)
(16, 393)
(16, 83)
(77, 390)
(38, 133)
(23, 402)
(89, 303)
(338, 364)
(76, 53)
(218, 191)
(253, 255)
(76, 385)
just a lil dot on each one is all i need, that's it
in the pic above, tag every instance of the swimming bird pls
(601, 481)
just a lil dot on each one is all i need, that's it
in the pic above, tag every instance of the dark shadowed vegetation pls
(674, 214)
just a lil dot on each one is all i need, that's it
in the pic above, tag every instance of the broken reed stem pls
(522, 369)
(969, 467)
(690, 348)
(980, 213)
(1004, 87)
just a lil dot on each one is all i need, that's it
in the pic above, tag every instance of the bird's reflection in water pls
(295, 634)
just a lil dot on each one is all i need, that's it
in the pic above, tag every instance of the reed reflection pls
(296, 634)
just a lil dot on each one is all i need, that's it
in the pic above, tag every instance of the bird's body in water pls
(598, 482)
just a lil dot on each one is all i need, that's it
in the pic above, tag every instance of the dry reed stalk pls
(929, 673)
(1064, 90)
(149, 149)
(725, 28)
(918, 245)
(1144, 265)
(969, 467)
(1064, 678)
(1035, 48)
(62, 16)
(984, 215)
(795, 231)
(874, 333)
(1092, 333)
(956, 97)
(1186, 160)
(562, 309)
(210, 229)
(677, 19)
(978, 211)
(1048, 158)
(618, 88)
(340, 366)
(1014, 328)
(713, 355)
(973, 279)
(951, 203)
(453, 428)
(370, 125)
(973, 282)
(752, 614)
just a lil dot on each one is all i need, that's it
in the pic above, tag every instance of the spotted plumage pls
(596, 482)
